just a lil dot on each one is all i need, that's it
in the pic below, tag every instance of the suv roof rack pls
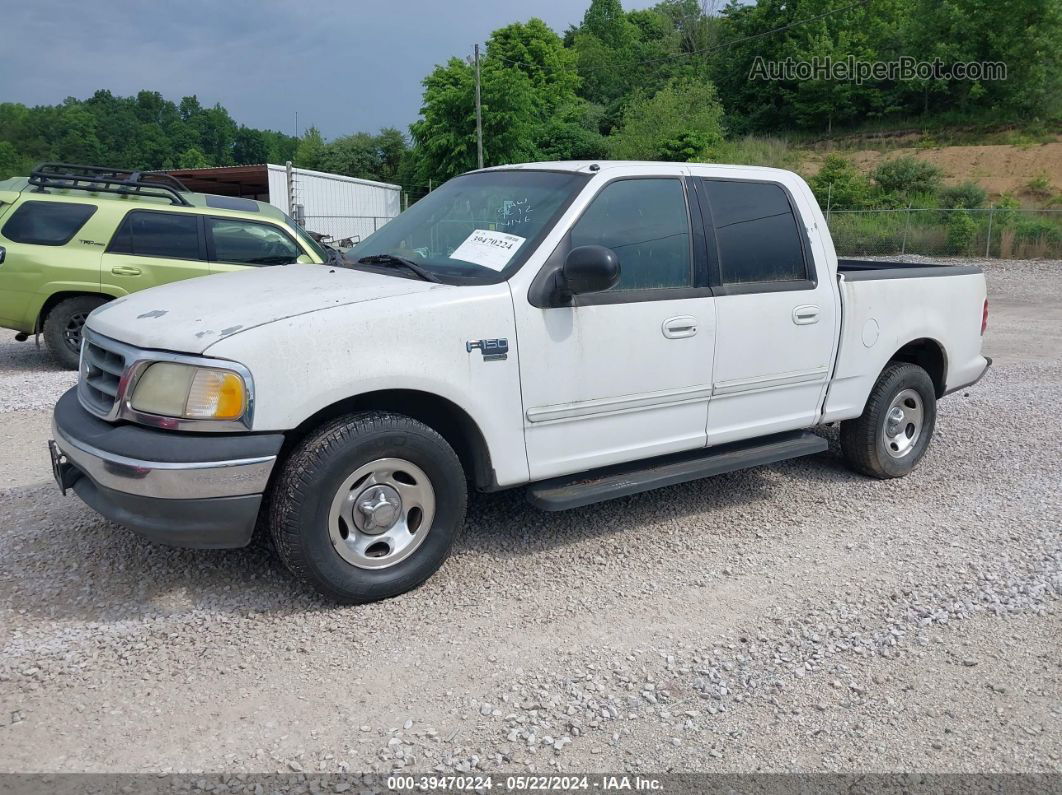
(100, 179)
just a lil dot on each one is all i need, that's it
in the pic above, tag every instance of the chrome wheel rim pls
(381, 513)
(903, 423)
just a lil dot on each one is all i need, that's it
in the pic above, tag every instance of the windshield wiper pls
(392, 260)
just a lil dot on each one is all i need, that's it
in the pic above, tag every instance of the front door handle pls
(806, 315)
(125, 270)
(678, 327)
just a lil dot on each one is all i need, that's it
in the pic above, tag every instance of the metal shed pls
(333, 205)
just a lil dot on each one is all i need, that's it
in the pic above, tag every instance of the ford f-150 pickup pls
(584, 330)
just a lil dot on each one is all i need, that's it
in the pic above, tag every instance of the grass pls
(1015, 235)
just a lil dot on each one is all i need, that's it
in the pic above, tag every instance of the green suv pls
(74, 237)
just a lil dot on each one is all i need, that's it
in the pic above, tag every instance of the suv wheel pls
(368, 506)
(62, 328)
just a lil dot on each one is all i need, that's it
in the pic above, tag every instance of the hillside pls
(1032, 173)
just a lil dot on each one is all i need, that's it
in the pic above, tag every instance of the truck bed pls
(886, 305)
(861, 270)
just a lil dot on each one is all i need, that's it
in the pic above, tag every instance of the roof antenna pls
(594, 167)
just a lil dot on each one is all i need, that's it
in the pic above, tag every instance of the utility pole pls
(479, 116)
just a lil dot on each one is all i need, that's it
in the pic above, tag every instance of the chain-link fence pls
(1002, 232)
(344, 230)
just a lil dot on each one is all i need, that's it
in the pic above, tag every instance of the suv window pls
(148, 233)
(756, 232)
(645, 222)
(46, 223)
(250, 243)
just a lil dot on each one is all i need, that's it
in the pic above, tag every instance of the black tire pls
(865, 441)
(316, 474)
(62, 328)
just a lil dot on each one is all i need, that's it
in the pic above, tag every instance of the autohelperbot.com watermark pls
(852, 69)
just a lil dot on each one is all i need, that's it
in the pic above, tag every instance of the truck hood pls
(190, 316)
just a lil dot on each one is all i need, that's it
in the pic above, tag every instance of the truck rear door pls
(776, 309)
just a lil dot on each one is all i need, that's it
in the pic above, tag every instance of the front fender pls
(304, 364)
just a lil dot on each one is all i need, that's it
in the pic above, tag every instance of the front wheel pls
(892, 434)
(368, 506)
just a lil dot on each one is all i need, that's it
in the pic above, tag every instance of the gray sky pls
(344, 66)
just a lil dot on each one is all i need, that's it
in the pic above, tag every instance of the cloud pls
(342, 65)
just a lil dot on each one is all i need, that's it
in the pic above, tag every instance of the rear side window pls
(154, 234)
(756, 232)
(645, 222)
(248, 243)
(46, 223)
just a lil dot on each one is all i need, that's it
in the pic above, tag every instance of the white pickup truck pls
(586, 330)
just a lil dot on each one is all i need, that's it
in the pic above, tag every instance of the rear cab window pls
(46, 223)
(758, 245)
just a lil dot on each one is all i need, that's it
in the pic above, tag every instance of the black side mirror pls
(3, 254)
(590, 269)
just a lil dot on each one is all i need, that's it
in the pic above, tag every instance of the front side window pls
(248, 243)
(46, 223)
(476, 228)
(645, 222)
(147, 233)
(756, 232)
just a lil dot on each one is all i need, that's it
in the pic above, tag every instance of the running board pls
(598, 485)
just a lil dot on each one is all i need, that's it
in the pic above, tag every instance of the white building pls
(329, 204)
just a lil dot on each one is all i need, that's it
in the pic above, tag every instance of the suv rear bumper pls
(183, 489)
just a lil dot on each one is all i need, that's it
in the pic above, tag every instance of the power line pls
(702, 50)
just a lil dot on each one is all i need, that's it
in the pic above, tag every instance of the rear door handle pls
(806, 315)
(125, 270)
(678, 327)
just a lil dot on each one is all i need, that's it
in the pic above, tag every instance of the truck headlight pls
(190, 392)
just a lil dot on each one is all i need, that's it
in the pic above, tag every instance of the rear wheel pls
(891, 436)
(62, 328)
(368, 506)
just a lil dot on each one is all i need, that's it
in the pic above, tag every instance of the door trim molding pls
(763, 383)
(617, 405)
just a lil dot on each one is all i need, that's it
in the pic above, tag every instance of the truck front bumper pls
(183, 489)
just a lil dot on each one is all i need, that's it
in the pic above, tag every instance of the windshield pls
(476, 228)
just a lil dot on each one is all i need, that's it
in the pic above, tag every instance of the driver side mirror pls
(304, 259)
(590, 269)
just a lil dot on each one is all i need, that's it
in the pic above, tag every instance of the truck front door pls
(626, 373)
(776, 314)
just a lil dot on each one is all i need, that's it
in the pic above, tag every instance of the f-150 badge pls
(492, 350)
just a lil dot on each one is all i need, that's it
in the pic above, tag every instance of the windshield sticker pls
(490, 249)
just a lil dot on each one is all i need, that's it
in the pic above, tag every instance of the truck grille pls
(101, 374)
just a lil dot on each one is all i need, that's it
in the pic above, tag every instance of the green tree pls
(354, 155)
(311, 148)
(192, 158)
(445, 135)
(10, 163)
(840, 185)
(652, 126)
(249, 146)
(908, 176)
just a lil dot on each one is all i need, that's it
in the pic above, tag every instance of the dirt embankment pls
(998, 168)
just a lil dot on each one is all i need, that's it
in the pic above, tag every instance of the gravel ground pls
(788, 618)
